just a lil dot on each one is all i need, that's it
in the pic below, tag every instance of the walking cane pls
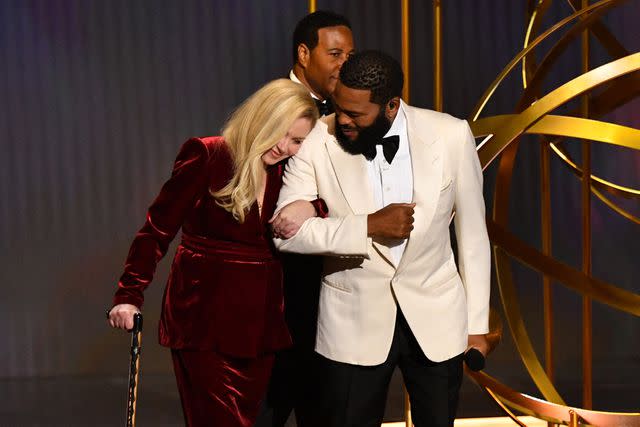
(134, 369)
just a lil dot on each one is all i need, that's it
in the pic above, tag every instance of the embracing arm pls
(288, 220)
(474, 257)
(330, 236)
(348, 235)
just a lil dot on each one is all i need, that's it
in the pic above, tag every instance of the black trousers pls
(293, 384)
(355, 396)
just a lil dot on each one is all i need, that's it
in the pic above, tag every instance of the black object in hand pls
(474, 359)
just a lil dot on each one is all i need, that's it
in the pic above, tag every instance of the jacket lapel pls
(427, 164)
(352, 174)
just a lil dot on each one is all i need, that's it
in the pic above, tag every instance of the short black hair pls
(307, 28)
(375, 71)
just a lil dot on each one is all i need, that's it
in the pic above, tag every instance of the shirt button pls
(387, 189)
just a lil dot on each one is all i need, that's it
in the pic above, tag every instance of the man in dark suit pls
(322, 42)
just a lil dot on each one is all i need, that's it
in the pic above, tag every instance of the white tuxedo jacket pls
(357, 309)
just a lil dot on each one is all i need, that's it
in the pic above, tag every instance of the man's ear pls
(304, 55)
(391, 109)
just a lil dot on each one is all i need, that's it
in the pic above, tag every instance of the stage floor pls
(487, 422)
(100, 401)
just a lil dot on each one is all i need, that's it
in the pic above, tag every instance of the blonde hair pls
(253, 129)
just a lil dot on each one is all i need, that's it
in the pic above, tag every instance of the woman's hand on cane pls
(121, 316)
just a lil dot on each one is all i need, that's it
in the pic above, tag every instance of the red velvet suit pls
(224, 291)
(222, 311)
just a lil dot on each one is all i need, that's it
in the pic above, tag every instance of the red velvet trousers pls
(218, 390)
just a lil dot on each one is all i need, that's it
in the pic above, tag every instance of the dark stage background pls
(97, 96)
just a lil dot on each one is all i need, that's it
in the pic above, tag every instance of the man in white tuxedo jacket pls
(391, 176)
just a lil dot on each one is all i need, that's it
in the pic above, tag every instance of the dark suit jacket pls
(224, 291)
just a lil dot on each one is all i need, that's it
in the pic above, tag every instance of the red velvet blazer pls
(224, 291)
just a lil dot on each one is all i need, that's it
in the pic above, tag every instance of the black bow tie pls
(390, 146)
(325, 107)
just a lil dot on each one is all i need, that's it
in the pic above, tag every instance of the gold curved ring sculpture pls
(502, 136)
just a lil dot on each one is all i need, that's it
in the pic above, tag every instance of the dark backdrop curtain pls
(98, 95)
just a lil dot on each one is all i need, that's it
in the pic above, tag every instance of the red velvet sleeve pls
(164, 218)
(321, 208)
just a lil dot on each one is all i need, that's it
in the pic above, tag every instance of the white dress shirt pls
(393, 183)
(295, 79)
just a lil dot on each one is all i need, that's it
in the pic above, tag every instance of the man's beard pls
(367, 137)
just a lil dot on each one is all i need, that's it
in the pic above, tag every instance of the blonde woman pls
(222, 314)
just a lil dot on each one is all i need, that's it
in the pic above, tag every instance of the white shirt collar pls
(295, 79)
(399, 124)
